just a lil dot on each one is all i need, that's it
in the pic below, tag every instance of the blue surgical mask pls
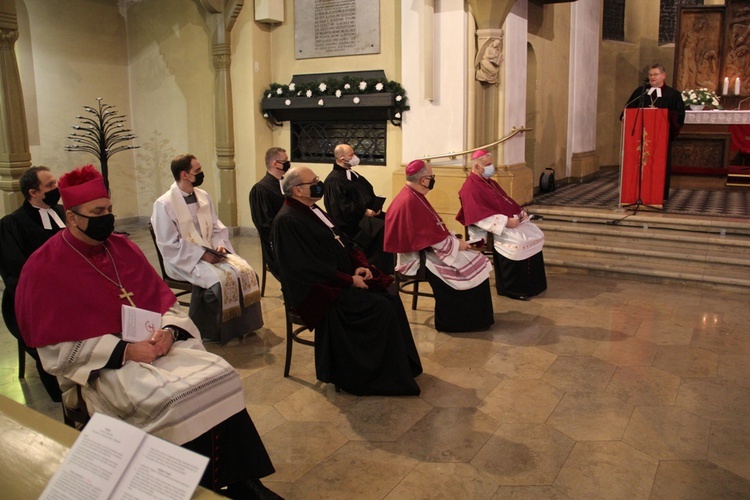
(489, 171)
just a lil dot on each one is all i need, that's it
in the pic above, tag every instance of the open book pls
(113, 459)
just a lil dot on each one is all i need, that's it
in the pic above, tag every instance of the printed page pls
(97, 460)
(139, 324)
(162, 471)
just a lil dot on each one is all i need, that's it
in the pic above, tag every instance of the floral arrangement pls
(335, 87)
(701, 96)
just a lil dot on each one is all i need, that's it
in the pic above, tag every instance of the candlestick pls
(725, 89)
(737, 87)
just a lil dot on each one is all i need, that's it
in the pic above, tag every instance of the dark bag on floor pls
(547, 180)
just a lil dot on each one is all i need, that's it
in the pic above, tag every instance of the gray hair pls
(290, 180)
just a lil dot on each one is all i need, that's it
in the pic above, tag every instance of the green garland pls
(340, 87)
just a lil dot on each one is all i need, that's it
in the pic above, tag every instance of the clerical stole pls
(234, 274)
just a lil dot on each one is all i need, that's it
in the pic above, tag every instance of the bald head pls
(344, 156)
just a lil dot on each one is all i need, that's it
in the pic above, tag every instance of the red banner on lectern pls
(649, 126)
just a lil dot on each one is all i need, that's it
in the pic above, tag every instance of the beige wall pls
(69, 53)
(549, 40)
(172, 84)
(284, 66)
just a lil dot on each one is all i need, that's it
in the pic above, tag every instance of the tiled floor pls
(600, 388)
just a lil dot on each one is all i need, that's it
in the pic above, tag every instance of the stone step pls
(682, 246)
(695, 249)
(697, 275)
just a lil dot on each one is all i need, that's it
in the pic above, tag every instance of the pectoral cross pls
(126, 295)
(338, 238)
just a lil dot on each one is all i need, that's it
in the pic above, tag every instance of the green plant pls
(349, 85)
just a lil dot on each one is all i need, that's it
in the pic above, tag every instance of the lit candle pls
(737, 87)
(725, 90)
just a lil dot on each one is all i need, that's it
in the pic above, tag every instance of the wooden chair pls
(76, 418)
(489, 242)
(292, 335)
(263, 275)
(185, 286)
(402, 281)
(21, 360)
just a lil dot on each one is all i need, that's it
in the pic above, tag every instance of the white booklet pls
(113, 459)
(139, 324)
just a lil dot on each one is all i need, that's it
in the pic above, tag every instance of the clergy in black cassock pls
(363, 343)
(266, 200)
(21, 233)
(351, 202)
(656, 94)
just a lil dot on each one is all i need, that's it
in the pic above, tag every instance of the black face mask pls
(316, 190)
(431, 184)
(100, 226)
(51, 197)
(198, 179)
(285, 165)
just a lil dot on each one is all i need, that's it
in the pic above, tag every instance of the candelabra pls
(101, 135)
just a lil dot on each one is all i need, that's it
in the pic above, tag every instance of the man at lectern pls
(656, 94)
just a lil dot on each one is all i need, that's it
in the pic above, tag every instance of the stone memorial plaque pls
(327, 28)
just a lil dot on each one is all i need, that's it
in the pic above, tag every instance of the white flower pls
(265, 115)
(362, 85)
(356, 100)
(378, 86)
(279, 91)
(320, 102)
(308, 93)
(287, 102)
(398, 98)
(292, 87)
(347, 86)
(338, 93)
(299, 92)
(397, 115)
(322, 87)
(270, 95)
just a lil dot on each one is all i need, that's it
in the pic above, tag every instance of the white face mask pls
(489, 171)
(353, 162)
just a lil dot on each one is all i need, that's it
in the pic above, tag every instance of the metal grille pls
(313, 142)
(613, 23)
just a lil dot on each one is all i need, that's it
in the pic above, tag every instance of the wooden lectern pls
(643, 170)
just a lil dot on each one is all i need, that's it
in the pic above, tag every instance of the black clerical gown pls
(346, 201)
(671, 100)
(266, 200)
(363, 342)
(21, 233)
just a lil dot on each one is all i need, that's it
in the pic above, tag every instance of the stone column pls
(585, 27)
(222, 15)
(14, 138)
(498, 106)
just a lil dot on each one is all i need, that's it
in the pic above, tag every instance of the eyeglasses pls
(315, 181)
(429, 176)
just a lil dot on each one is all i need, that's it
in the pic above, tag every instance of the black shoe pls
(514, 296)
(251, 489)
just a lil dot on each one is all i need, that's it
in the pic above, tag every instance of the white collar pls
(46, 214)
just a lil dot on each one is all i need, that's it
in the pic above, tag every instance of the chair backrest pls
(173, 283)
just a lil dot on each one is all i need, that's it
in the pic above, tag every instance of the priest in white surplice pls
(195, 245)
